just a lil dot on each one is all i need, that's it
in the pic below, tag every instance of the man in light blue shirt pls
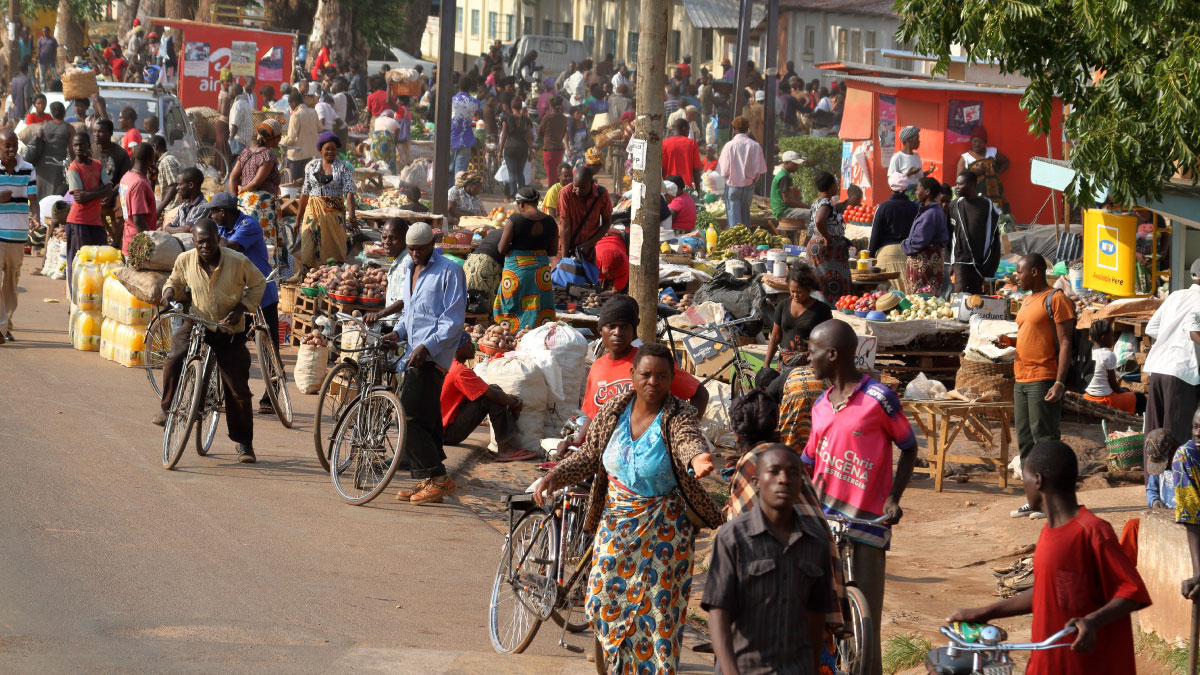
(434, 293)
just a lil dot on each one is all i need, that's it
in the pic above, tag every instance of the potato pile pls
(315, 338)
(374, 283)
(477, 332)
(347, 281)
(595, 300)
(498, 338)
(685, 301)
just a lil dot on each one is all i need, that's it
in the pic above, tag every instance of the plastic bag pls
(924, 388)
(1126, 347)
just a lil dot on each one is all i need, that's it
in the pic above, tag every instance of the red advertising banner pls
(209, 48)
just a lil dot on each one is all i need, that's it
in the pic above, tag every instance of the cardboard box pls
(992, 308)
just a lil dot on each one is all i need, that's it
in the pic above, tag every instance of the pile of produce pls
(860, 303)
(499, 214)
(349, 280)
(477, 332)
(325, 275)
(595, 300)
(717, 209)
(374, 283)
(681, 304)
(498, 338)
(922, 308)
(859, 214)
(740, 241)
(315, 338)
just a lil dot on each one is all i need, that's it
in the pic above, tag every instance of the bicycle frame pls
(991, 652)
(716, 334)
(839, 527)
(563, 515)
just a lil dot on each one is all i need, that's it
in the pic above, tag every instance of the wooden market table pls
(941, 421)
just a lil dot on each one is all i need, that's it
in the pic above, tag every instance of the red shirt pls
(613, 261)
(34, 118)
(137, 197)
(710, 165)
(118, 68)
(377, 102)
(85, 177)
(130, 140)
(461, 384)
(610, 378)
(680, 157)
(320, 63)
(586, 213)
(685, 70)
(1078, 568)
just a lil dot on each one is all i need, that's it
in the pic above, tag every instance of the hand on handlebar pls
(370, 318)
(392, 339)
(1085, 640)
(168, 297)
(891, 509)
(544, 489)
(233, 316)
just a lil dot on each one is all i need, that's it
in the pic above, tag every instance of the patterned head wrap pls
(1160, 444)
(909, 133)
(270, 128)
(593, 156)
(465, 178)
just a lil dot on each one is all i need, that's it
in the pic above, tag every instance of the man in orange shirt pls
(681, 155)
(1045, 326)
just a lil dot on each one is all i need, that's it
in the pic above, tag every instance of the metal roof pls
(871, 7)
(944, 85)
(721, 14)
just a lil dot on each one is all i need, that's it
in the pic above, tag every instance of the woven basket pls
(287, 298)
(986, 376)
(79, 84)
(1124, 452)
(260, 116)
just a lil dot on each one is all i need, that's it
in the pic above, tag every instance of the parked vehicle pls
(398, 58)
(554, 54)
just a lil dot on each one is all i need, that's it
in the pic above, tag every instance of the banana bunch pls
(740, 234)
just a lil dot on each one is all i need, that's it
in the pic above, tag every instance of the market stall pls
(941, 421)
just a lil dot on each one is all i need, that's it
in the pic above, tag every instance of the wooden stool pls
(793, 229)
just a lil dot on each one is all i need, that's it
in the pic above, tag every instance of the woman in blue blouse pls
(645, 509)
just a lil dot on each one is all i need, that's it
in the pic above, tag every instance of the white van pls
(554, 53)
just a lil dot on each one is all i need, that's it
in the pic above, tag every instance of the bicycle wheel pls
(158, 346)
(343, 381)
(578, 551)
(274, 376)
(182, 415)
(742, 380)
(512, 623)
(208, 414)
(367, 445)
(208, 157)
(854, 645)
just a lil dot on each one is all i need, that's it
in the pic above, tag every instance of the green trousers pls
(1036, 419)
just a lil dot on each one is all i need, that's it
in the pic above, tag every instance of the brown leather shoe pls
(407, 495)
(434, 491)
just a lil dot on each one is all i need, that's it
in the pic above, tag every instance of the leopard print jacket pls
(681, 432)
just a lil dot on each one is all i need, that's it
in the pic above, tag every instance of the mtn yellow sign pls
(1109, 245)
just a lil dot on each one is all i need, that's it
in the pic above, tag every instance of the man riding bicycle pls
(224, 285)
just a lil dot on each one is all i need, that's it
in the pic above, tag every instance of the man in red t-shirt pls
(467, 399)
(128, 121)
(612, 259)
(612, 373)
(681, 155)
(137, 196)
(1082, 577)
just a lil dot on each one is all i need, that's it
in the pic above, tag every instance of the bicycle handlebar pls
(849, 520)
(362, 325)
(178, 309)
(1051, 642)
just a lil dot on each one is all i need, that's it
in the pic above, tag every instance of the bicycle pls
(852, 645)
(368, 439)
(543, 571)
(359, 370)
(979, 649)
(191, 392)
(701, 343)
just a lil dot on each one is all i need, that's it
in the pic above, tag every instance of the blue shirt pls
(642, 465)
(434, 310)
(248, 234)
(463, 108)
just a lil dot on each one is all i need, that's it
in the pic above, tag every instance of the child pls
(1185, 479)
(1104, 387)
(576, 137)
(1160, 489)
(711, 157)
(854, 197)
(404, 119)
(1081, 577)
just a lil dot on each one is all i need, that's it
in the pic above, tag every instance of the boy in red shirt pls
(467, 399)
(1081, 577)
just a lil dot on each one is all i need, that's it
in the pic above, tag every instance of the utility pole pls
(445, 86)
(772, 90)
(739, 59)
(13, 53)
(648, 130)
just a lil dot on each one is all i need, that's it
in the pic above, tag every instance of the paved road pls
(111, 564)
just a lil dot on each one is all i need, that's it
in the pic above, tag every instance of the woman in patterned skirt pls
(926, 241)
(639, 448)
(326, 213)
(526, 297)
(255, 180)
(828, 248)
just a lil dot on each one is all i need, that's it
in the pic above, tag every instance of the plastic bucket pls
(1076, 278)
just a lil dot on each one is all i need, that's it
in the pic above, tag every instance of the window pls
(510, 26)
(676, 39)
(706, 44)
(856, 46)
(527, 29)
(901, 64)
(589, 39)
(567, 30)
(810, 40)
(610, 42)
(633, 47)
(547, 27)
(458, 20)
(493, 20)
(475, 22)
(842, 44)
(869, 42)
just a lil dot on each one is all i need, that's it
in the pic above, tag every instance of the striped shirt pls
(14, 213)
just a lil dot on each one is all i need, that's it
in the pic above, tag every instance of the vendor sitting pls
(1105, 387)
(785, 197)
(612, 374)
(463, 198)
(467, 399)
(612, 260)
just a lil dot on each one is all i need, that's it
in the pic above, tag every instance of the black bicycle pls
(704, 342)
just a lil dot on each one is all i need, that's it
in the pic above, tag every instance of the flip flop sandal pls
(266, 409)
(517, 456)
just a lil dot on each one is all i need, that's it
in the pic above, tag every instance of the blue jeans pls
(737, 205)
(460, 160)
(516, 173)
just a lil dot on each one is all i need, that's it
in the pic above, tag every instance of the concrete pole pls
(739, 58)
(445, 86)
(13, 53)
(648, 129)
(772, 90)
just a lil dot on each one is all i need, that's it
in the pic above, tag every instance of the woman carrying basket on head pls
(326, 207)
(255, 180)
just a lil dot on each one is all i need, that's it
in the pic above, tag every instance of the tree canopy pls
(1129, 70)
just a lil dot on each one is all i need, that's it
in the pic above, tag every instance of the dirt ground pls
(943, 552)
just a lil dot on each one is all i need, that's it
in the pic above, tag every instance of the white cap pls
(760, 95)
(419, 234)
(791, 156)
(670, 188)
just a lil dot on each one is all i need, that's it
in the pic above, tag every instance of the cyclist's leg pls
(869, 566)
(173, 364)
(233, 359)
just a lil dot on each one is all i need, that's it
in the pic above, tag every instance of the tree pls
(1127, 71)
(373, 23)
(127, 11)
(179, 9)
(335, 25)
(68, 30)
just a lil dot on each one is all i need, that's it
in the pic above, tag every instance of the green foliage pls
(1173, 657)
(904, 651)
(1132, 127)
(83, 9)
(820, 154)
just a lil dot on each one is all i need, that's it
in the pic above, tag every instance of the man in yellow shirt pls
(224, 286)
(550, 201)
